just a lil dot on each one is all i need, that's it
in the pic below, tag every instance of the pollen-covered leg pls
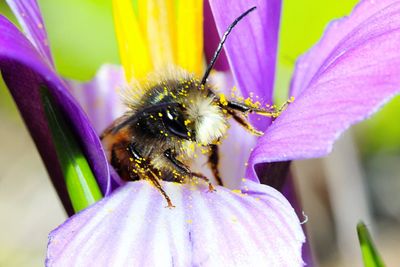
(184, 170)
(213, 160)
(144, 170)
(242, 120)
(283, 107)
(156, 181)
(273, 112)
(204, 178)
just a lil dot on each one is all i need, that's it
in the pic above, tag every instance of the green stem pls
(81, 184)
(369, 253)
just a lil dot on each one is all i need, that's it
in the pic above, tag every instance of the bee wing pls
(116, 126)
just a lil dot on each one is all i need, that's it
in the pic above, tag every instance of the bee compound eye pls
(174, 122)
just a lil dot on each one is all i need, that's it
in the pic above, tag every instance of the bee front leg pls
(182, 168)
(242, 120)
(246, 109)
(143, 168)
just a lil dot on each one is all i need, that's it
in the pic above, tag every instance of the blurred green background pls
(82, 39)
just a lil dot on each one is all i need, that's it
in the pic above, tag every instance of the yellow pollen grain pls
(110, 210)
(191, 146)
(186, 122)
(222, 100)
(159, 114)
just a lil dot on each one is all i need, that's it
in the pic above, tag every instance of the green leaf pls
(369, 253)
(81, 184)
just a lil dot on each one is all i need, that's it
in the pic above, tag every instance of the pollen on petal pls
(204, 229)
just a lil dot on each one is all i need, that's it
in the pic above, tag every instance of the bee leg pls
(213, 160)
(185, 169)
(156, 181)
(143, 168)
(239, 112)
(242, 120)
(246, 109)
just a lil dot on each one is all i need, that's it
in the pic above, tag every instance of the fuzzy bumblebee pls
(171, 113)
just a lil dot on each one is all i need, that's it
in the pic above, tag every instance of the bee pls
(155, 138)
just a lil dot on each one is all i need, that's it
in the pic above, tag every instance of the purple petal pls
(132, 227)
(31, 21)
(252, 45)
(24, 72)
(212, 39)
(344, 79)
(100, 97)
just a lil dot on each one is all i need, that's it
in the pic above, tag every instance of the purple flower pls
(347, 76)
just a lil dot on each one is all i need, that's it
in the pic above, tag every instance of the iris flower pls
(343, 79)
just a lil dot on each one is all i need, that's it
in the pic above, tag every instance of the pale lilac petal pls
(30, 18)
(100, 97)
(251, 47)
(132, 227)
(354, 77)
(25, 72)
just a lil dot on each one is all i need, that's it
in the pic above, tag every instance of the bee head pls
(204, 118)
(196, 118)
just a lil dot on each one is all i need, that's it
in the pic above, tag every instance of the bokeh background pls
(359, 180)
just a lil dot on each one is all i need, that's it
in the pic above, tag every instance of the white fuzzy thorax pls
(210, 122)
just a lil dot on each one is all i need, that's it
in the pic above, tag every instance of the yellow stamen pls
(190, 35)
(158, 22)
(133, 48)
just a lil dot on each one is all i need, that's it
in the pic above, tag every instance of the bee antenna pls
(221, 43)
